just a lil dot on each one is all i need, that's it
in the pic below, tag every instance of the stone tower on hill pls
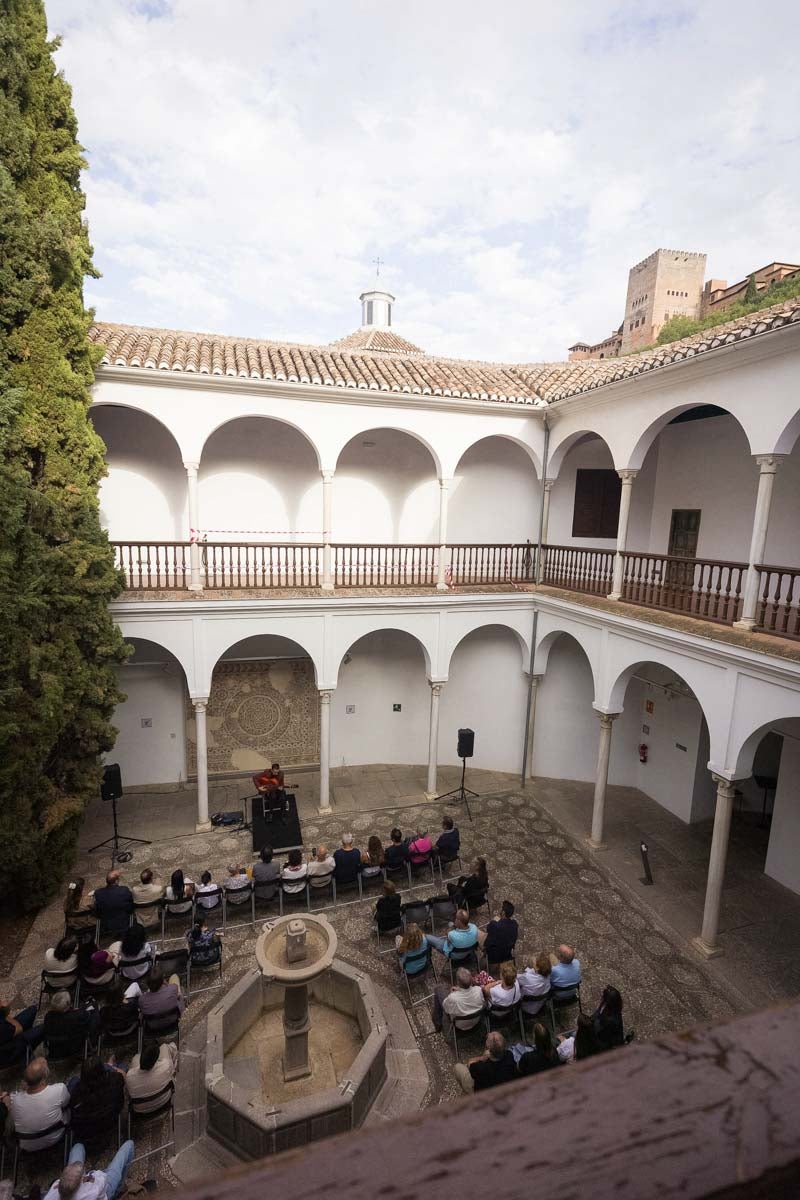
(666, 284)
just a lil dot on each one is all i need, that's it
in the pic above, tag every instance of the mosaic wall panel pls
(259, 712)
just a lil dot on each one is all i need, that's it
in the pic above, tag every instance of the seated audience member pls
(61, 963)
(566, 972)
(265, 875)
(78, 907)
(113, 904)
(409, 947)
(148, 889)
(17, 1033)
(321, 867)
(97, 966)
(162, 996)
(372, 859)
(204, 943)
(348, 860)
(206, 893)
(134, 945)
(543, 1056)
(582, 1043)
(179, 892)
(119, 1011)
(387, 910)
(97, 1098)
(500, 937)
(237, 881)
(66, 1027)
(469, 891)
(150, 1072)
(396, 853)
(40, 1106)
(294, 873)
(463, 936)
(495, 1066)
(463, 1000)
(607, 1020)
(73, 1184)
(419, 850)
(534, 982)
(506, 992)
(448, 842)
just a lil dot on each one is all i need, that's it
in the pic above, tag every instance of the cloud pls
(247, 162)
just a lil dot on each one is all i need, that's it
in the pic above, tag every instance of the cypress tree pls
(751, 293)
(58, 643)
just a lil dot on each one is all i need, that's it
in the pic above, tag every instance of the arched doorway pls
(566, 729)
(151, 742)
(486, 691)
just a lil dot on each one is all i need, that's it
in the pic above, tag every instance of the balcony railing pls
(710, 589)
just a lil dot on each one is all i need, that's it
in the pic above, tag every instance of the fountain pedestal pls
(296, 1026)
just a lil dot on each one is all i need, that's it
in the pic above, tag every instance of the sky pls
(248, 160)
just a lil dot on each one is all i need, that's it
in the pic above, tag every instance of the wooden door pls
(684, 531)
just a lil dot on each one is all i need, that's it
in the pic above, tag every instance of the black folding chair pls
(390, 933)
(403, 868)
(442, 909)
(93, 987)
(345, 885)
(416, 912)
(127, 968)
(207, 903)
(153, 907)
(161, 1027)
(447, 860)
(176, 911)
(175, 962)
(415, 959)
(565, 997)
(138, 1114)
(319, 884)
(288, 896)
(58, 1051)
(119, 1032)
(425, 864)
(202, 964)
(503, 1015)
(22, 1144)
(462, 958)
(466, 1024)
(50, 984)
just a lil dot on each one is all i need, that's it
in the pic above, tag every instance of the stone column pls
(327, 523)
(535, 682)
(325, 697)
(768, 465)
(627, 478)
(548, 487)
(201, 741)
(707, 942)
(296, 1026)
(196, 583)
(601, 780)
(444, 485)
(433, 739)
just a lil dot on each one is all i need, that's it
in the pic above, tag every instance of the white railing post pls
(768, 465)
(706, 943)
(325, 696)
(433, 737)
(327, 521)
(601, 779)
(201, 743)
(627, 478)
(441, 580)
(196, 583)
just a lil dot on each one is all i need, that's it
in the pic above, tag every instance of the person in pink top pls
(420, 848)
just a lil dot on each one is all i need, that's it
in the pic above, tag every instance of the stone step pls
(204, 1159)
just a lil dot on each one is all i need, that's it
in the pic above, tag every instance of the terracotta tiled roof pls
(384, 340)
(410, 371)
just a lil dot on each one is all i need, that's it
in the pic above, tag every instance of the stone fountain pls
(268, 1088)
(295, 951)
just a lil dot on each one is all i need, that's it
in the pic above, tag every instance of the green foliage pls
(753, 300)
(58, 643)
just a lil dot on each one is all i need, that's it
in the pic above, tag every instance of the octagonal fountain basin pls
(296, 1050)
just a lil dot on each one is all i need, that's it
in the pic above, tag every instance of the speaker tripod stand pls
(118, 855)
(461, 794)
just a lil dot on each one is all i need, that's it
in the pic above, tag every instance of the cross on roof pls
(379, 262)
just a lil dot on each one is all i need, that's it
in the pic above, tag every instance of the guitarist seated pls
(271, 786)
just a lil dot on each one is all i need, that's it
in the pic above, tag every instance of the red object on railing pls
(779, 601)
(364, 564)
(578, 569)
(484, 562)
(705, 587)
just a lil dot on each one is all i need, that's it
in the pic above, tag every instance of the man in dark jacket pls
(113, 905)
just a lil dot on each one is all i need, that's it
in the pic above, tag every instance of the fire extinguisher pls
(643, 752)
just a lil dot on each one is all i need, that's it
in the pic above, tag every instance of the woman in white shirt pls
(505, 992)
(207, 892)
(134, 946)
(534, 983)
(320, 868)
(61, 963)
(295, 873)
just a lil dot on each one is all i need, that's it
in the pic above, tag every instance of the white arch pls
(176, 637)
(221, 636)
(382, 627)
(104, 397)
(142, 412)
(396, 427)
(653, 429)
(545, 645)
(504, 437)
(241, 416)
(789, 435)
(555, 459)
(463, 626)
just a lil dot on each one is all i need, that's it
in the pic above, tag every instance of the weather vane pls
(379, 262)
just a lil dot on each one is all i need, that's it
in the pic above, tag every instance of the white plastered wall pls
(783, 854)
(494, 495)
(151, 742)
(487, 692)
(144, 493)
(386, 491)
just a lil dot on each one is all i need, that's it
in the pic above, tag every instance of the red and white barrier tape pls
(198, 535)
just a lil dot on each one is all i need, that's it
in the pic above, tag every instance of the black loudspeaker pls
(111, 787)
(466, 743)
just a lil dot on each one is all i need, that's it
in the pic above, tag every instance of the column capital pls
(606, 719)
(725, 787)
(200, 704)
(192, 467)
(326, 695)
(627, 475)
(436, 685)
(535, 677)
(769, 463)
(548, 485)
(445, 481)
(327, 475)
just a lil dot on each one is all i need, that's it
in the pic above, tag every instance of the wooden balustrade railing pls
(487, 562)
(779, 601)
(578, 569)
(364, 564)
(704, 587)
(149, 566)
(260, 565)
